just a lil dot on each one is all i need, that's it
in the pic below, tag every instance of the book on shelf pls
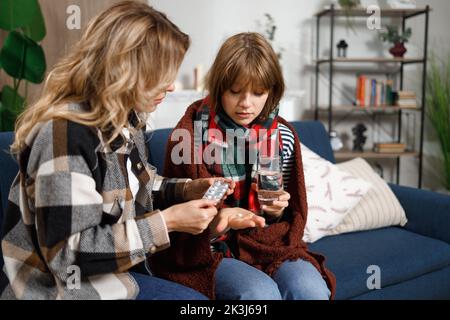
(372, 92)
(406, 99)
(406, 94)
(389, 147)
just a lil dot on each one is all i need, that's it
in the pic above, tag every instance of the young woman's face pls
(151, 106)
(244, 103)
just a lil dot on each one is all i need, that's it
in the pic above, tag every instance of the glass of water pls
(269, 179)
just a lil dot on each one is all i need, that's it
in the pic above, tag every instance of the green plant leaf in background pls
(17, 13)
(12, 101)
(7, 119)
(438, 107)
(22, 58)
(11, 105)
(36, 28)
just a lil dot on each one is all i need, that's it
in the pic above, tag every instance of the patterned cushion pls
(378, 208)
(331, 193)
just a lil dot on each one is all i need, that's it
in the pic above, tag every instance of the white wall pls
(210, 22)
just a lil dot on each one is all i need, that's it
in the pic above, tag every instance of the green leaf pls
(7, 119)
(12, 101)
(17, 13)
(36, 29)
(22, 58)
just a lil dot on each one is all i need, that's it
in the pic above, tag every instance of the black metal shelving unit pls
(332, 61)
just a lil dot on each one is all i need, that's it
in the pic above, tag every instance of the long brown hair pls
(250, 58)
(127, 55)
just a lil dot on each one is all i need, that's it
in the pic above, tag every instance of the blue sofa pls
(414, 261)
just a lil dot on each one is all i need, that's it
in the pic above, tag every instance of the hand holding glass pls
(270, 179)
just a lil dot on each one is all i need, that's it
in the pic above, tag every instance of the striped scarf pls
(236, 150)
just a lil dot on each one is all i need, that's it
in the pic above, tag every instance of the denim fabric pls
(153, 288)
(294, 280)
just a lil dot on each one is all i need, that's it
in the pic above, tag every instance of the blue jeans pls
(294, 280)
(153, 288)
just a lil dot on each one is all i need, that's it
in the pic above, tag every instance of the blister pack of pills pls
(216, 191)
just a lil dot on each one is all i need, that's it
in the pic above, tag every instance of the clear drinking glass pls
(269, 179)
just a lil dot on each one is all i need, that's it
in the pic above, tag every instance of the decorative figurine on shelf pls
(342, 49)
(335, 141)
(360, 139)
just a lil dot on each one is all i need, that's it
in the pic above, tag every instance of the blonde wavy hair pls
(128, 55)
(247, 57)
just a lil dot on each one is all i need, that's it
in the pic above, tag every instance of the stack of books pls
(406, 99)
(389, 147)
(371, 92)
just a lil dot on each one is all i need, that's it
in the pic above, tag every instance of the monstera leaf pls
(11, 100)
(11, 105)
(22, 58)
(36, 30)
(17, 13)
(7, 119)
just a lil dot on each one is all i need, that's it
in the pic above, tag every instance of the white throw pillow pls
(331, 194)
(378, 208)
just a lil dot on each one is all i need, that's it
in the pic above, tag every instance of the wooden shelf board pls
(370, 60)
(362, 12)
(373, 155)
(368, 109)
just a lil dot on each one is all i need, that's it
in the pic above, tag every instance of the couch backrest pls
(312, 134)
(157, 142)
(8, 171)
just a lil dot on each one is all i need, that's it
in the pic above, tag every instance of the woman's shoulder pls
(65, 131)
(63, 143)
(62, 137)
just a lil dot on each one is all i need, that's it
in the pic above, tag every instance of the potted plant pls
(269, 32)
(393, 36)
(438, 108)
(348, 6)
(21, 56)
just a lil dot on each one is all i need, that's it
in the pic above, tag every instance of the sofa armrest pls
(428, 212)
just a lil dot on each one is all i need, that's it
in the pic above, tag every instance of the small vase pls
(398, 50)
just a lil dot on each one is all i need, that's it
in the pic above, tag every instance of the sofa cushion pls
(332, 193)
(377, 209)
(9, 170)
(401, 255)
(430, 286)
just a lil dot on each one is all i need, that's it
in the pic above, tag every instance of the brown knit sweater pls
(189, 260)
